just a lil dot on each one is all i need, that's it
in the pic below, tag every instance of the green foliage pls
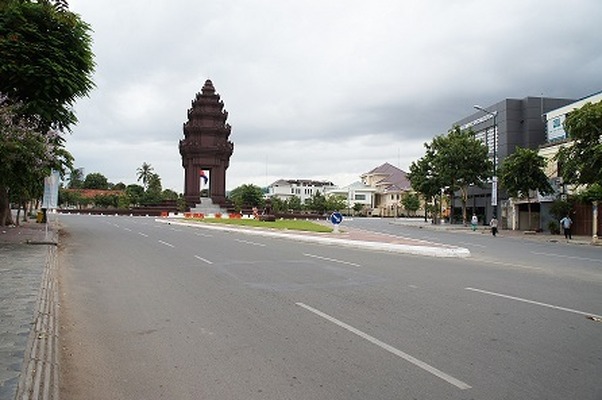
(294, 203)
(411, 202)
(336, 203)
(522, 172)
(95, 180)
(27, 157)
(316, 203)
(169, 194)
(278, 205)
(154, 190)
(106, 201)
(560, 208)
(47, 61)
(135, 194)
(357, 207)
(247, 196)
(592, 193)
(144, 174)
(76, 178)
(581, 161)
(284, 224)
(456, 160)
(554, 227)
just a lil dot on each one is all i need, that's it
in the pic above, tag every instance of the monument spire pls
(205, 149)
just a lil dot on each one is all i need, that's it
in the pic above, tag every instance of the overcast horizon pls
(318, 90)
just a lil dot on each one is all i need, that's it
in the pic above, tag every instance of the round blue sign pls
(336, 218)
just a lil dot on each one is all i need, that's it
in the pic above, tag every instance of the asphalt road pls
(153, 311)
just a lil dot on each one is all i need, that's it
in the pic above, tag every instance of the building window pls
(361, 197)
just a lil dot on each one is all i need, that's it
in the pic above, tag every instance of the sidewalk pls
(523, 235)
(28, 311)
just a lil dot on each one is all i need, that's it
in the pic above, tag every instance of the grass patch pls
(282, 224)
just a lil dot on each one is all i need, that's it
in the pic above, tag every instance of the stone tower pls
(205, 149)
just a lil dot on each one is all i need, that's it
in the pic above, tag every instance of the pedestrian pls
(474, 221)
(493, 225)
(566, 223)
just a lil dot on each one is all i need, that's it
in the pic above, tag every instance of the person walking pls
(493, 225)
(566, 224)
(474, 221)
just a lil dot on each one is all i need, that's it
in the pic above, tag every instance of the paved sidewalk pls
(28, 311)
(503, 233)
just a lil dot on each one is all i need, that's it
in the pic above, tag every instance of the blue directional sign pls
(336, 218)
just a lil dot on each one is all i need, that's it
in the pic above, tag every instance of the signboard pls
(51, 191)
(494, 191)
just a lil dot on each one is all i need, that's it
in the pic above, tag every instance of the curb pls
(40, 374)
(430, 251)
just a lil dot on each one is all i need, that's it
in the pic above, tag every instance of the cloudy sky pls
(318, 89)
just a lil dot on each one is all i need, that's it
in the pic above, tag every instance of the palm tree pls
(145, 173)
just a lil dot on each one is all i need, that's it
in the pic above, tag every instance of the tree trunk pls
(6, 217)
(464, 192)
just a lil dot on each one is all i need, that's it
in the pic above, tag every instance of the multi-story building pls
(390, 184)
(504, 126)
(355, 193)
(556, 138)
(304, 189)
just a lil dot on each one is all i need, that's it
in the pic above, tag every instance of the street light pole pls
(494, 178)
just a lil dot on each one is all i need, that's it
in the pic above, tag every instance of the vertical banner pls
(51, 191)
(494, 191)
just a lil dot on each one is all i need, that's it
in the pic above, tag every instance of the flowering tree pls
(27, 156)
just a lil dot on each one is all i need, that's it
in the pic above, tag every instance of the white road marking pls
(251, 243)
(472, 244)
(599, 260)
(166, 244)
(203, 259)
(421, 364)
(203, 234)
(533, 302)
(142, 234)
(127, 229)
(331, 259)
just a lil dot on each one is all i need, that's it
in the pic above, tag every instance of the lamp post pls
(494, 178)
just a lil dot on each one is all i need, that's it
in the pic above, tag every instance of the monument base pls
(207, 207)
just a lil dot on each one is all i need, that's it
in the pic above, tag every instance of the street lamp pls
(494, 179)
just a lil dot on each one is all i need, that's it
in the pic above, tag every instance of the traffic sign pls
(336, 218)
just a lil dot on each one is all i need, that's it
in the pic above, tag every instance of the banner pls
(51, 191)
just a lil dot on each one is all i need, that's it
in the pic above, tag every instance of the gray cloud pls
(318, 89)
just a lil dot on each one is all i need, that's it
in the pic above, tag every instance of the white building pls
(555, 118)
(304, 189)
(355, 193)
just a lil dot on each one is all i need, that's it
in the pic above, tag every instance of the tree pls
(169, 194)
(581, 161)
(134, 193)
(27, 156)
(153, 193)
(144, 174)
(461, 161)
(456, 161)
(522, 172)
(95, 180)
(247, 195)
(47, 60)
(76, 178)
(426, 180)
(294, 203)
(316, 203)
(336, 202)
(411, 202)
